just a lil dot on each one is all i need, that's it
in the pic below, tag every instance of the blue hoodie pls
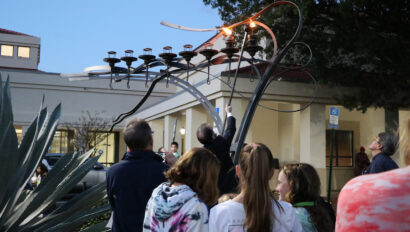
(175, 208)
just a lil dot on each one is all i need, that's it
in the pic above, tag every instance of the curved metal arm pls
(250, 110)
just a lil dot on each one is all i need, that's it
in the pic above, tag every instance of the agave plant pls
(22, 210)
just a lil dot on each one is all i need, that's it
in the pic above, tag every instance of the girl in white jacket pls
(254, 209)
(182, 203)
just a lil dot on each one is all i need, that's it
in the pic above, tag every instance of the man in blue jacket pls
(130, 182)
(382, 147)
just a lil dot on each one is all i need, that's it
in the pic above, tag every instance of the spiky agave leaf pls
(19, 209)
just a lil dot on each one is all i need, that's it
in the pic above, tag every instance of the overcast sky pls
(77, 34)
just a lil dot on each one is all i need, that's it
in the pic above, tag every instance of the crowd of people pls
(202, 190)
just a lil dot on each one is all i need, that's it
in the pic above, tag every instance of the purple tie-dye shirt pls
(175, 208)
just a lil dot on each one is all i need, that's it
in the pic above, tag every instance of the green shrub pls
(22, 210)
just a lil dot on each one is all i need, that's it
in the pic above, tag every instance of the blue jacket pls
(129, 187)
(381, 163)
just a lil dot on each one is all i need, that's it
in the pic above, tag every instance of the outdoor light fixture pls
(252, 24)
(111, 60)
(208, 52)
(128, 59)
(187, 54)
(147, 57)
(227, 31)
(167, 56)
(182, 131)
(229, 50)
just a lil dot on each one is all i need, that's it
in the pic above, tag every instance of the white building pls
(301, 136)
(19, 61)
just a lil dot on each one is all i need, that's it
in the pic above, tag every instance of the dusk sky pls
(77, 34)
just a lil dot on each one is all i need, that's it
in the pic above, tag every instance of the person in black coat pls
(220, 146)
(131, 181)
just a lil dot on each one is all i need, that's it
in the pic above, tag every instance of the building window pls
(19, 133)
(23, 52)
(106, 144)
(342, 148)
(61, 142)
(6, 50)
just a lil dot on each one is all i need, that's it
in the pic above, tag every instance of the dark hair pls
(304, 185)
(43, 169)
(256, 164)
(198, 168)
(389, 143)
(159, 149)
(175, 143)
(205, 134)
(137, 134)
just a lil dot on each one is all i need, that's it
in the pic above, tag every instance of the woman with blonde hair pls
(181, 204)
(378, 202)
(254, 209)
(299, 184)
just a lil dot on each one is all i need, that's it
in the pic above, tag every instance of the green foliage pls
(22, 210)
(361, 43)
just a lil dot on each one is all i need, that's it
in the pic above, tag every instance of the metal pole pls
(329, 188)
(236, 76)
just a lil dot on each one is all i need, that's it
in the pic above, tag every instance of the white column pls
(313, 140)
(194, 118)
(168, 124)
(157, 126)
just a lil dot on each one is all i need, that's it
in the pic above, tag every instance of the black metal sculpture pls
(169, 60)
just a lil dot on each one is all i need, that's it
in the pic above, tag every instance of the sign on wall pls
(334, 117)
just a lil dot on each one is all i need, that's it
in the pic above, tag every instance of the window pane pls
(6, 50)
(345, 162)
(344, 139)
(60, 142)
(55, 145)
(19, 132)
(23, 52)
(328, 161)
(342, 150)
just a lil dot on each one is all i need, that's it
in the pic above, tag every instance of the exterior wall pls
(20, 40)
(76, 97)
(403, 116)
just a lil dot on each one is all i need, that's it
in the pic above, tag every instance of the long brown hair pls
(405, 140)
(304, 185)
(199, 169)
(256, 164)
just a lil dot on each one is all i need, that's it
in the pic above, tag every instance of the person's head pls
(298, 182)
(255, 169)
(205, 134)
(384, 142)
(138, 135)
(199, 169)
(174, 147)
(405, 141)
(162, 150)
(362, 149)
(226, 197)
(41, 169)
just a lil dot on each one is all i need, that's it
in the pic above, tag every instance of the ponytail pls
(256, 163)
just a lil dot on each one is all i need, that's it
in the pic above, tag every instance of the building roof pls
(5, 31)
(290, 76)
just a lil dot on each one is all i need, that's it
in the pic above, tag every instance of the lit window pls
(6, 50)
(342, 148)
(23, 52)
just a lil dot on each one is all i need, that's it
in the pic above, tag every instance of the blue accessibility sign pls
(334, 117)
